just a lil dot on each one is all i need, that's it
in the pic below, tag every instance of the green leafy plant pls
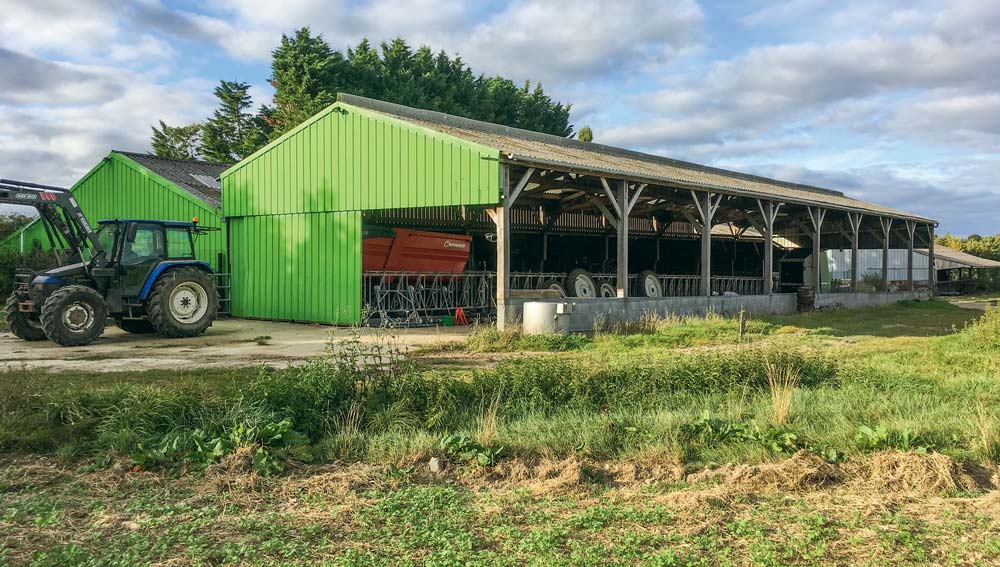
(275, 442)
(467, 450)
(881, 438)
(711, 430)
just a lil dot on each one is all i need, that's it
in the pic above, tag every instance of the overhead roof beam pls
(718, 189)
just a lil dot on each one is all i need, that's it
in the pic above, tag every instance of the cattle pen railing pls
(418, 296)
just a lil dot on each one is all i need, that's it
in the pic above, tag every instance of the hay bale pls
(802, 471)
(234, 472)
(336, 479)
(895, 471)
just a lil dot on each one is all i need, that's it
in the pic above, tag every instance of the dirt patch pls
(894, 472)
(20, 474)
(803, 471)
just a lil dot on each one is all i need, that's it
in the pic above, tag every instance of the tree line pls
(307, 74)
(975, 244)
(982, 246)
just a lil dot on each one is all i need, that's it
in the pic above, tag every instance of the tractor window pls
(179, 244)
(106, 236)
(148, 244)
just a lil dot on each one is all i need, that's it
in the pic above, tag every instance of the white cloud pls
(951, 117)
(63, 26)
(583, 40)
(895, 101)
(57, 142)
(917, 189)
(580, 41)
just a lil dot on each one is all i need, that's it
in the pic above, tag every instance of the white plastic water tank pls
(541, 318)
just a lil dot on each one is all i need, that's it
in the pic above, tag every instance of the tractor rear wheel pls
(24, 325)
(136, 326)
(74, 315)
(650, 284)
(554, 285)
(580, 284)
(183, 303)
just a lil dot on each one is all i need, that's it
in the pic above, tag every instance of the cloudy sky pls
(893, 102)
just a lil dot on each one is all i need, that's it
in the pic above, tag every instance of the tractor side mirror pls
(130, 234)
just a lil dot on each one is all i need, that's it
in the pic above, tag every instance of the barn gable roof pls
(548, 151)
(196, 177)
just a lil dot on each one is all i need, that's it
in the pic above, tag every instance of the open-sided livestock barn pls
(538, 216)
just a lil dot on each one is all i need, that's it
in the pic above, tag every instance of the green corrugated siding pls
(31, 233)
(349, 159)
(120, 188)
(297, 267)
(294, 206)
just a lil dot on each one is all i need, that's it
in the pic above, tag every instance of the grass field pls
(846, 437)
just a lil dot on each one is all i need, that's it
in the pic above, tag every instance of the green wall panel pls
(346, 159)
(120, 188)
(26, 237)
(297, 267)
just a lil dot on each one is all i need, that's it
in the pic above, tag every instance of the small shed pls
(957, 271)
(143, 186)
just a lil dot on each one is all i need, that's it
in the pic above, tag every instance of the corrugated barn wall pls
(870, 262)
(120, 188)
(294, 207)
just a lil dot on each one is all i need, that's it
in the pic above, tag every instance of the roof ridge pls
(500, 129)
(182, 160)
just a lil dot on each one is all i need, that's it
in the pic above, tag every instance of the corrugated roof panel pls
(191, 175)
(943, 253)
(547, 150)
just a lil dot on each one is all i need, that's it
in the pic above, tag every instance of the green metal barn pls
(294, 209)
(614, 234)
(141, 186)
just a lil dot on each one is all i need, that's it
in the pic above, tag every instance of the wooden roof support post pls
(770, 212)
(706, 208)
(627, 204)
(911, 227)
(886, 223)
(931, 272)
(816, 215)
(855, 220)
(621, 270)
(501, 217)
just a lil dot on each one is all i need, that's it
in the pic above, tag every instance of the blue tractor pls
(142, 274)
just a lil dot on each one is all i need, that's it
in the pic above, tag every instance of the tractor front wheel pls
(183, 303)
(24, 325)
(74, 315)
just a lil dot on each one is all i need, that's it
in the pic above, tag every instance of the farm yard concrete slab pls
(230, 343)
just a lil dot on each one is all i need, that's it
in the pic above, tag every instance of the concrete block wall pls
(864, 300)
(586, 314)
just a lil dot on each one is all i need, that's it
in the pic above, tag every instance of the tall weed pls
(985, 331)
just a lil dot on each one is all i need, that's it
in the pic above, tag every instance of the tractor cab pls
(137, 249)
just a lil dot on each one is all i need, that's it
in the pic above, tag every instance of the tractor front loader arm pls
(60, 213)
